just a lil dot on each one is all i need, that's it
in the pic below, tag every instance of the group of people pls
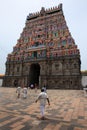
(22, 91)
(42, 98)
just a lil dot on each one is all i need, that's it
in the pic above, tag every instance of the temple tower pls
(45, 53)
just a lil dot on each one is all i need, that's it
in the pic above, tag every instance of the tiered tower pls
(45, 53)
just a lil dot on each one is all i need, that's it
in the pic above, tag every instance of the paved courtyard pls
(67, 111)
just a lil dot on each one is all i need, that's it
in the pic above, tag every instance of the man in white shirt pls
(42, 97)
(18, 91)
(24, 91)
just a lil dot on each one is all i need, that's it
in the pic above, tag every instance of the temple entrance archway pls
(34, 73)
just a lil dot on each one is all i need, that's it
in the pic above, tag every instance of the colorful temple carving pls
(45, 53)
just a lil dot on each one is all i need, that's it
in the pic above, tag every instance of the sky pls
(13, 16)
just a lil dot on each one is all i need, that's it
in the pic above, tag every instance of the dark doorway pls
(34, 73)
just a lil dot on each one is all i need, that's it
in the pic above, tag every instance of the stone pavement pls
(68, 111)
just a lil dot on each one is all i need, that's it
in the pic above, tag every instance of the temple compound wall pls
(45, 53)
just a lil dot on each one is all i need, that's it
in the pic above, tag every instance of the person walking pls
(18, 91)
(24, 91)
(43, 97)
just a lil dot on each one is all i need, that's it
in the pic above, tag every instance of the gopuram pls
(45, 53)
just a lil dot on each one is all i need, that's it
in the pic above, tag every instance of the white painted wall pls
(1, 82)
(84, 81)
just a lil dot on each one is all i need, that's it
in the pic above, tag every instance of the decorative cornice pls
(44, 11)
